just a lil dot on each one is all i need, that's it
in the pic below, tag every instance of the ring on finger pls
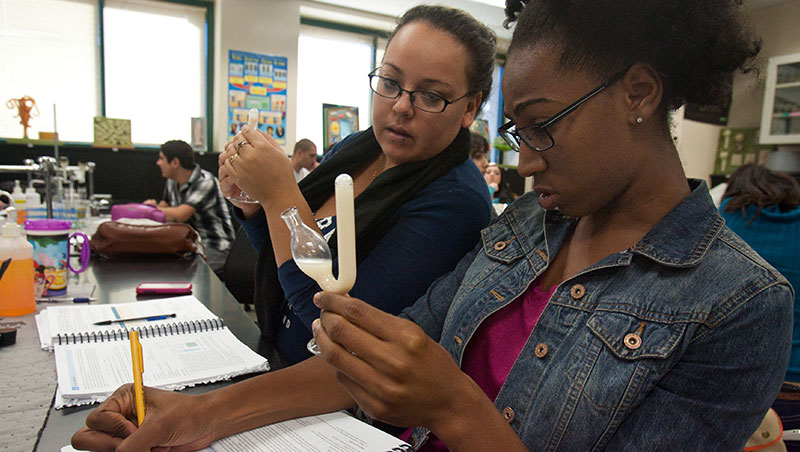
(233, 157)
(240, 144)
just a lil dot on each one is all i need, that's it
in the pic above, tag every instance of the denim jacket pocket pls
(500, 244)
(622, 358)
(629, 337)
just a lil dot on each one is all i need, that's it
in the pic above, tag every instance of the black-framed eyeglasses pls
(422, 100)
(536, 136)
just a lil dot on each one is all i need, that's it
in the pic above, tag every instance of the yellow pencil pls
(138, 368)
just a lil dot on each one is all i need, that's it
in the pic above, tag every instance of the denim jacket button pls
(577, 291)
(500, 246)
(632, 341)
(541, 350)
(508, 414)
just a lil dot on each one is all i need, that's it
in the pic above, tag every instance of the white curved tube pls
(346, 235)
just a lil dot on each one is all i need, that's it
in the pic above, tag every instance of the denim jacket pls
(679, 343)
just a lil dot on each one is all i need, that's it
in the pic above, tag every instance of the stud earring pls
(639, 120)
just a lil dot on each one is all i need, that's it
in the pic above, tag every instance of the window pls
(342, 61)
(150, 65)
(154, 67)
(48, 50)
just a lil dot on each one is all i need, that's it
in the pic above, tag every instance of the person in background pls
(763, 208)
(500, 191)
(609, 309)
(478, 148)
(304, 158)
(493, 177)
(192, 195)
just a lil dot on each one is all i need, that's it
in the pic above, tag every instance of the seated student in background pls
(420, 203)
(500, 191)
(304, 158)
(478, 148)
(763, 208)
(611, 309)
(493, 176)
(192, 195)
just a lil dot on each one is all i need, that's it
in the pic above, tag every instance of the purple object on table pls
(137, 210)
(50, 239)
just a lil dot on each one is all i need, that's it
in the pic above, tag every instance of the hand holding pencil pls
(111, 425)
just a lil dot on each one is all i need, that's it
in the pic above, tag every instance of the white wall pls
(779, 28)
(697, 145)
(260, 26)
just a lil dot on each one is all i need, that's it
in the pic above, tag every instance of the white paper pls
(170, 362)
(332, 432)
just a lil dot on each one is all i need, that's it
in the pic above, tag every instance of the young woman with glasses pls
(611, 309)
(419, 206)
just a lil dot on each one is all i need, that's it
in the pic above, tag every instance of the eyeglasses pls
(536, 136)
(421, 100)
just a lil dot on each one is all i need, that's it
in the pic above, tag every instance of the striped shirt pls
(212, 219)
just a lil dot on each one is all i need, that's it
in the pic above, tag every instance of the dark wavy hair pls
(478, 145)
(179, 149)
(754, 185)
(479, 40)
(695, 45)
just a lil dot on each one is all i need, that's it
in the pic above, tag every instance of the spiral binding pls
(162, 329)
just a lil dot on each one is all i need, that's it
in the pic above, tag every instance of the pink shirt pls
(495, 346)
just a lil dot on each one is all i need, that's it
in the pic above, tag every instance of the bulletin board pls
(112, 133)
(737, 147)
(338, 122)
(257, 81)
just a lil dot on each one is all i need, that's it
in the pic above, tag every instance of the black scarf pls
(375, 208)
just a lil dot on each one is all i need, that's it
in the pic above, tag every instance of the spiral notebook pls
(190, 348)
(75, 322)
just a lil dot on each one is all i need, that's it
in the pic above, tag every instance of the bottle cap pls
(48, 225)
(8, 336)
(11, 228)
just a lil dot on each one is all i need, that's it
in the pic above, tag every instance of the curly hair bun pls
(696, 45)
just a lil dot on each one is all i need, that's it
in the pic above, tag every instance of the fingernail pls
(317, 297)
(315, 325)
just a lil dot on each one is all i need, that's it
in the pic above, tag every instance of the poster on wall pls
(737, 147)
(338, 122)
(112, 133)
(257, 81)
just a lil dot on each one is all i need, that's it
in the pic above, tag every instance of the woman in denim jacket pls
(611, 309)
